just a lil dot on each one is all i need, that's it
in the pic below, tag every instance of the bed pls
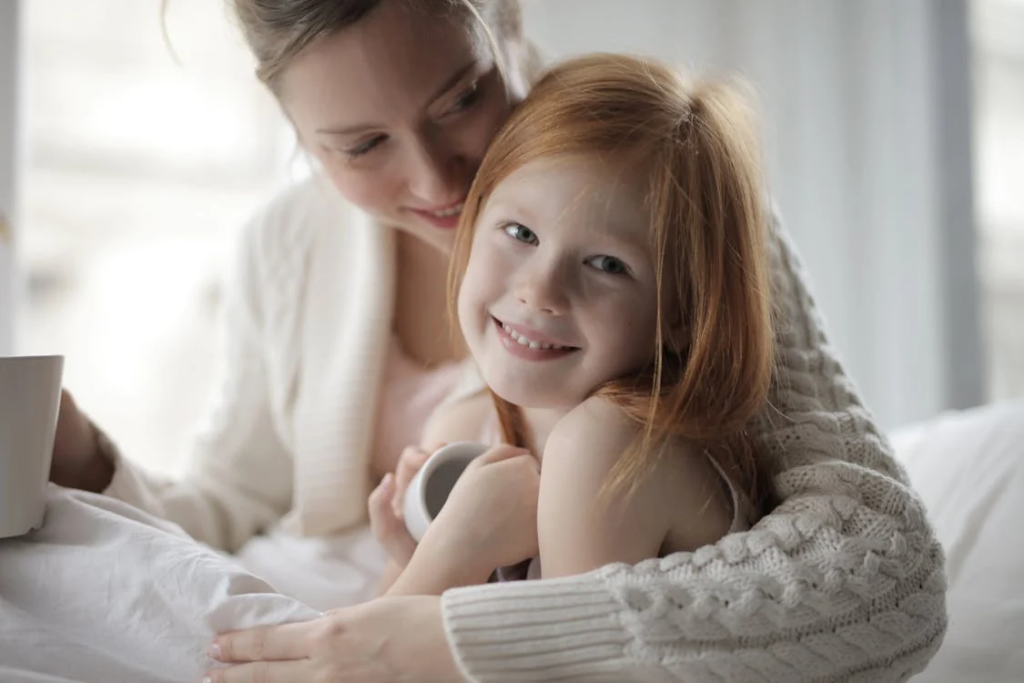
(106, 593)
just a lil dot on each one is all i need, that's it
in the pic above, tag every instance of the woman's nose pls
(437, 173)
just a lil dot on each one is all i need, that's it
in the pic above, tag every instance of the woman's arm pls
(845, 577)
(844, 580)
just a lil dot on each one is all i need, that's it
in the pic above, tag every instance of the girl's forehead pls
(589, 190)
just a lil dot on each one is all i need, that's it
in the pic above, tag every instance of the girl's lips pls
(512, 340)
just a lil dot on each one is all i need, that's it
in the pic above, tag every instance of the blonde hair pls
(278, 31)
(693, 144)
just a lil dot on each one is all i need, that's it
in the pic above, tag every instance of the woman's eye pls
(361, 149)
(609, 264)
(467, 99)
(521, 233)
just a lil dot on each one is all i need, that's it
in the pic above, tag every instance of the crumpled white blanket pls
(105, 592)
(324, 573)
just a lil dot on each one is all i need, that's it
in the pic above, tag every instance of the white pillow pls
(969, 469)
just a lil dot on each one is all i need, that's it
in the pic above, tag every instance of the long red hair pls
(693, 143)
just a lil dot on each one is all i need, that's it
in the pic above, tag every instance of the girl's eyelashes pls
(611, 265)
(520, 233)
(608, 264)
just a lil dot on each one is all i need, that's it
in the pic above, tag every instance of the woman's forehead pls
(390, 63)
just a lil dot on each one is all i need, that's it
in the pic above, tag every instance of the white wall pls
(866, 108)
(9, 158)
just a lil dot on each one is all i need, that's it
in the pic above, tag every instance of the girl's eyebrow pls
(448, 84)
(511, 210)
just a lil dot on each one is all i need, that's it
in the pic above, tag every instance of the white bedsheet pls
(105, 593)
(969, 469)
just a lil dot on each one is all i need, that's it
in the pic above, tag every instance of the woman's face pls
(399, 109)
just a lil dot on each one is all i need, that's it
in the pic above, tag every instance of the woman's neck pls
(421, 304)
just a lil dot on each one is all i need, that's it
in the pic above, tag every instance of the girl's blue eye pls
(521, 233)
(365, 147)
(609, 264)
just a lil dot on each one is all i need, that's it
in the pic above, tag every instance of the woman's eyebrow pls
(453, 80)
(357, 128)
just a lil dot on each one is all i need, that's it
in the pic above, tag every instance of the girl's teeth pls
(526, 341)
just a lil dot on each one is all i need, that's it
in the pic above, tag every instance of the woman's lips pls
(446, 217)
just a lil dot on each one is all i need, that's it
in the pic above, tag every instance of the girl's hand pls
(385, 504)
(385, 640)
(490, 518)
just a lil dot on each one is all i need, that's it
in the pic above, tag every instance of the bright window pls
(140, 171)
(998, 38)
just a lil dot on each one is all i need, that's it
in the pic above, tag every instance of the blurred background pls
(894, 139)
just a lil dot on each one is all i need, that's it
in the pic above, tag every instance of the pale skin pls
(571, 275)
(399, 109)
(558, 250)
(429, 102)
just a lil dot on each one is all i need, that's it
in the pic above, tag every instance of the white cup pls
(29, 401)
(429, 489)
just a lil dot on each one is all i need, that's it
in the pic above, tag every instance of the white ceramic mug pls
(429, 489)
(29, 402)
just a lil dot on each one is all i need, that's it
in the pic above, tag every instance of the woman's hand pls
(386, 503)
(77, 461)
(386, 640)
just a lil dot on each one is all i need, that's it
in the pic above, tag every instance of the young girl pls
(612, 288)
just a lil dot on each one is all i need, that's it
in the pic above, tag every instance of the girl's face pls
(399, 110)
(559, 294)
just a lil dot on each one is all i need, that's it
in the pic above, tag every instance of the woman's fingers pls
(282, 642)
(298, 671)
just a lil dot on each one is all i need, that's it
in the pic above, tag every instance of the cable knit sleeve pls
(843, 581)
(239, 477)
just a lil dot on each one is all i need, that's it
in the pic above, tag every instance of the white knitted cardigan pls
(844, 581)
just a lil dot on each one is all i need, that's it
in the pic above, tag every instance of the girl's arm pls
(460, 421)
(581, 527)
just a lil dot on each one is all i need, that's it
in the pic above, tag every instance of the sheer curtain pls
(144, 155)
(9, 162)
(867, 125)
(868, 143)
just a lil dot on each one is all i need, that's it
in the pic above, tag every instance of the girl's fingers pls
(379, 505)
(388, 528)
(409, 464)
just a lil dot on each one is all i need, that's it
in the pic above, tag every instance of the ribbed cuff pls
(536, 631)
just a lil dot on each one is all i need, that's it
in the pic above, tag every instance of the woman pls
(397, 100)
